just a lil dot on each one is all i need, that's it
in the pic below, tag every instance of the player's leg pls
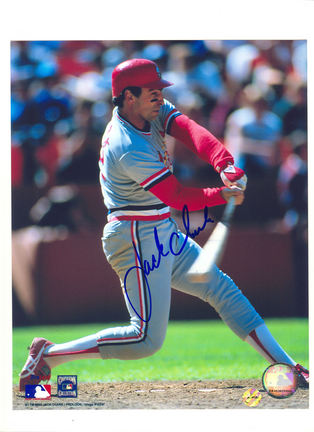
(147, 295)
(230, 303)
(147, 291)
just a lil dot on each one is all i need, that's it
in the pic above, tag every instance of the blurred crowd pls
(252, 95)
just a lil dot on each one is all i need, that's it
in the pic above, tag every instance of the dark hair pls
(118, 101)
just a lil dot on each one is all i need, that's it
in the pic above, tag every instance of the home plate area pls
(226, 394)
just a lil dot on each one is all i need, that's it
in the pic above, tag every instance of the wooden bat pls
(213, 248)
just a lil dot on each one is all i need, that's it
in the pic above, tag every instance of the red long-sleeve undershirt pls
(208, 148)
(200, 141)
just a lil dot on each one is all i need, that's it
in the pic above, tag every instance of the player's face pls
(148, 104)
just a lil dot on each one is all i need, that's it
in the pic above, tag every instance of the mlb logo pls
(67, 386)
(38, 391)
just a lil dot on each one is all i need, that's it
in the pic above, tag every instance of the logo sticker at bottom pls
(67, 386)
(251, 397)
(38, 391)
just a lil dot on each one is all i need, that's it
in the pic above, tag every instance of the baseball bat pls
(214, 247)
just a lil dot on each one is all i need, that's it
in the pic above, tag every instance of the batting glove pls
(233, 177)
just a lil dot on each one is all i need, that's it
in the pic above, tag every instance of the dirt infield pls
(162, 395)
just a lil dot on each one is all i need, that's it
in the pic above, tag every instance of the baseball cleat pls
(303, 376)
(35, 369)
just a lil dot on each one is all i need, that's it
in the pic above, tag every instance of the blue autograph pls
(146, 267)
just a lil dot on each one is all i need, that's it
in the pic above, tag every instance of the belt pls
(145, 213)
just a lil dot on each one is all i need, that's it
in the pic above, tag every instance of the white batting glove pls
(233, 177)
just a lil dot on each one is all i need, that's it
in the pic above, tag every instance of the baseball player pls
(142, 242)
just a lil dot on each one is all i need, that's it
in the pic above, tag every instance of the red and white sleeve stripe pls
(155, 178)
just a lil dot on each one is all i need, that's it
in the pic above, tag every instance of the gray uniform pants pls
(150, 258)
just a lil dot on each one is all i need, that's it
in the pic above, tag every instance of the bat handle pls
(229, 210)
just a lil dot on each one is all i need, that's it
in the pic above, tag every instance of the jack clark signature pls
(147, 267)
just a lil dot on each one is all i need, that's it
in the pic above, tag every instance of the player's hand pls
(238, 193)
(233, 176)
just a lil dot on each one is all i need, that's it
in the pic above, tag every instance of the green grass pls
(194, 350)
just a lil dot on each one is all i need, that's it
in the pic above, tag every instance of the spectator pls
(63, 208)
(293, 193)
(252, 133)
(80, 151)
(292, 180)
(296, 116)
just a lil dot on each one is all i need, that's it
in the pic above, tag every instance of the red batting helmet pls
(137, 73)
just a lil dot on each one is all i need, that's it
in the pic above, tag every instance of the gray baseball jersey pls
(131, 162)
